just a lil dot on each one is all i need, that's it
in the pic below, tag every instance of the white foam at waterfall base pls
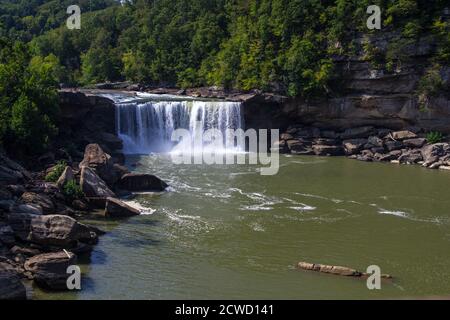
(147, 127)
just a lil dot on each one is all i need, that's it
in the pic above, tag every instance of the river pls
(227, 232)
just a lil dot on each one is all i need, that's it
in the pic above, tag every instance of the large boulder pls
(101, 162)
(67, 176)
(11, 286)
(142, 182)
(50, 230)
(92, 185)
(118, 209)
(49, 270)
(41, 200)
(415, 143)
(111, 141)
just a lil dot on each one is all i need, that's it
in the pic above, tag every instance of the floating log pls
(336, 270)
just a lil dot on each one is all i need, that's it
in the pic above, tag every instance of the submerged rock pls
(117, 209)
(142, 182)
(336, 270)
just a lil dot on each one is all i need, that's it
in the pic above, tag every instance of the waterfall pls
(147, 127)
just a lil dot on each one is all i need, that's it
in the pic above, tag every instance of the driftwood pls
(336, 270)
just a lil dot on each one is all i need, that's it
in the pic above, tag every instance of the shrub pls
(72, 190)
(434, 137)
(56, 172)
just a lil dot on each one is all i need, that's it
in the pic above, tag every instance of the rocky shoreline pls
(370, 144)
(40, 232)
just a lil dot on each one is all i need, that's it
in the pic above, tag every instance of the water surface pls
(226, 232)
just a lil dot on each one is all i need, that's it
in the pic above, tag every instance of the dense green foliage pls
(434, 137)
(28, 97)
(56, 172)
(281, 45)
(72, 190)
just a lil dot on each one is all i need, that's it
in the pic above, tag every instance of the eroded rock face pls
(118, 209)
(49, 270)
(92, 185)
(142, 182)
(101, 162)
(50, 230)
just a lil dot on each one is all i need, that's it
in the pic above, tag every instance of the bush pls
(434, 137)
(72, 190)
(56, 172)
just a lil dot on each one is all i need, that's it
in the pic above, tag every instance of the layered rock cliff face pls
(364, 94)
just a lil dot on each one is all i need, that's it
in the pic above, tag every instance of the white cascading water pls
(147, 127)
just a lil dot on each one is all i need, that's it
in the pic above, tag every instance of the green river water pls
(226, 232)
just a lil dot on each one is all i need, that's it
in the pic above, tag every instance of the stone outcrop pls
(40, 200)
(117, 209)
(101, 162)
(142, 182)
(12, 173)
(49, 270)
(92, 185)
(50, 230)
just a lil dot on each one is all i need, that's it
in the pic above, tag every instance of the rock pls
(27, 208)
(325, 142)
(11, 287)
(6, 234)
(393, 155)
(49, 270)
(411, 157)
(329, 134)
(353, 146)
(142, 182)
(41, 200)
(280, 146)
(297, 146)
(100, 162)
(444, 167)
(415, 143)
(432, 153)
(65, 177)
(120, 170)
(337, 270)
(30, 252)
(403, 135)
(11, 172)
(16, 189)
(394, 145)
(379, 150)
(117, 209)
(50, 230)
(436, 165)
(286, 136)
(5, 194)
(80, 205)
(361, 132)
(6, 205)
(322, 150)
(92, 185)
(375, 141)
